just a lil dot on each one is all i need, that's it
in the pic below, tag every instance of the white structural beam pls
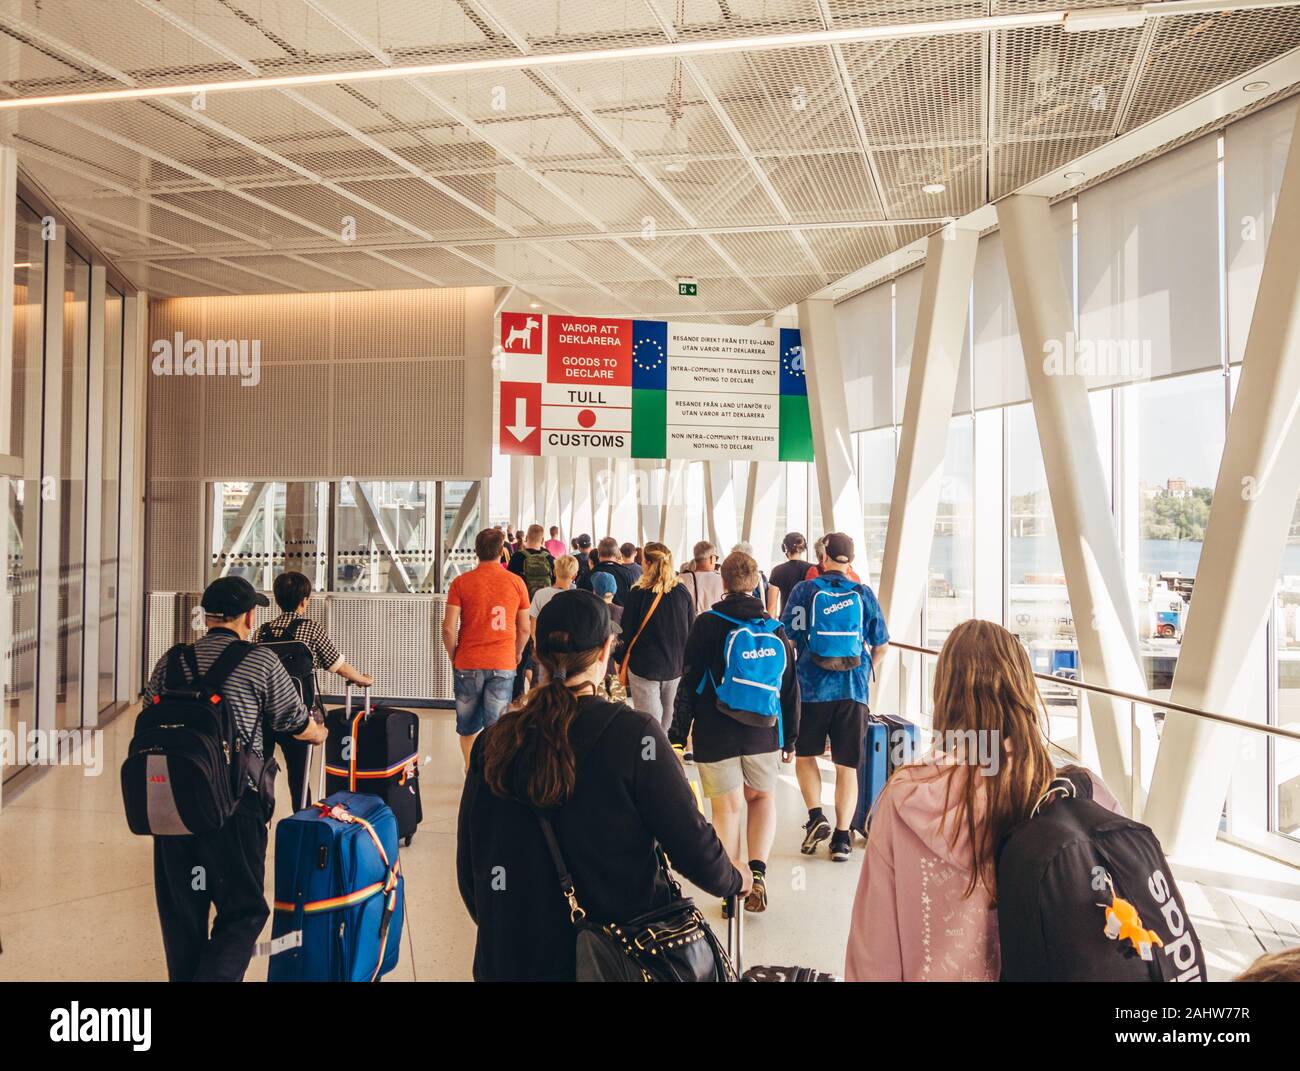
(582, 501)
(622, 514)
(564, 492)
(520, 473)
(647, 473)
(8, 237)
(927, 412)
(1100, 602)
(549, 507)
(130, 589)
(837, 480)
(720, 506)
(50, 488)
(672, 516)
(762, 490)
(94, 505)
(1245, 542)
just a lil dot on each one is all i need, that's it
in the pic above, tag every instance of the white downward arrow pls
(520, 429)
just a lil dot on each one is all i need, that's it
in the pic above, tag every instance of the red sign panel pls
(521, 332)
(588, 350)
(521, 418)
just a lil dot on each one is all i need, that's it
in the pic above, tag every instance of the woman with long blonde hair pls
(926, 903)
(657, 617)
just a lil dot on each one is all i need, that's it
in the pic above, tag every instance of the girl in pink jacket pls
(926, 907)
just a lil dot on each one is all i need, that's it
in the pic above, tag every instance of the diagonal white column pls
(564, 491)
(1100, 602)
(927, 413)
(672, 524)
(1245, 543)
(837, 480)
(720, 506)
(762, 490)
(581, 499)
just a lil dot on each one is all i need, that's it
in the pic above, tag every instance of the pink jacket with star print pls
(911, 921)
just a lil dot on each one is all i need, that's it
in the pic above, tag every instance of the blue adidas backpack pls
(835, 621)
(754, 660)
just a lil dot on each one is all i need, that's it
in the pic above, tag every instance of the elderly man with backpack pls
(840, 633)
(738, 698)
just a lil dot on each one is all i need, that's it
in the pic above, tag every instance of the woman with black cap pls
(606, 777)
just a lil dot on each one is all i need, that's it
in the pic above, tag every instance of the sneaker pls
(816, 831)
(757, 899)
(841, 846)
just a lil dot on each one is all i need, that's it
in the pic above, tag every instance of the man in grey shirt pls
(227, 867)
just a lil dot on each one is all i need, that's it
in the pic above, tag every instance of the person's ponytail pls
(539, 725)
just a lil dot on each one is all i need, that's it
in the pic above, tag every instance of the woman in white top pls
(566, 571)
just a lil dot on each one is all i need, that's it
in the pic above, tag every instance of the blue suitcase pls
(339, 898)
(887, 743)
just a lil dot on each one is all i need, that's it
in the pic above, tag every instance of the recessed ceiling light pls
(933, 187)
(534, 305)
(1255, 87)
(1074, 176)
(675, 166)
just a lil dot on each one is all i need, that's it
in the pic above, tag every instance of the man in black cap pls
(582, 552)
(839, 631)
(226, 867)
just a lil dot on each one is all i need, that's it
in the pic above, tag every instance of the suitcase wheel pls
(408, 839)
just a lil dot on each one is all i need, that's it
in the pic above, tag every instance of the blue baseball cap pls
(603, 584)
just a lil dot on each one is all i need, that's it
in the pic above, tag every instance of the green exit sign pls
(687, 289)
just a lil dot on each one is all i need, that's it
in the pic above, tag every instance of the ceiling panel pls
(591, 185)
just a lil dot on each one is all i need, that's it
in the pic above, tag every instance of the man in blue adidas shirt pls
(840, 634)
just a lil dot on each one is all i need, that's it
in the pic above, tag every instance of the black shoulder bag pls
(672, 943)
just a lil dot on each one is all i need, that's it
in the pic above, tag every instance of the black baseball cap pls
(584, 541)
(580, 614)
(231, 596)
(839, 548)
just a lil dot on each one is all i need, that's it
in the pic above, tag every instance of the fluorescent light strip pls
(533, 61)
(666, 50)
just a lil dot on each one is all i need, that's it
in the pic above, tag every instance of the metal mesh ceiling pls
(766, 175)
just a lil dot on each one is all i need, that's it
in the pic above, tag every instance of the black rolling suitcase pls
(735, 926)
(375, 750)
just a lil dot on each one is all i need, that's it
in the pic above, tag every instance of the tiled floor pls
(76, 888)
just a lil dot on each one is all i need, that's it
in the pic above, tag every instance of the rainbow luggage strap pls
(353, 774)
(388, 886)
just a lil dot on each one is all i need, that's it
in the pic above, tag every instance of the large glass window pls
(877, 454)
(263, 528)
(111, 453)
(950, 596)
(1038, 603)
(72, 485)
(1180, 426)
(1284, 755)
(21, 483)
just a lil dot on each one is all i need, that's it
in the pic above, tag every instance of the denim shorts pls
(482, 696)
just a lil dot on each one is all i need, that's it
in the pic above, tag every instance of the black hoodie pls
(716, 735)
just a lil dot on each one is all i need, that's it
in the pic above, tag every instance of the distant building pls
(1176, 487)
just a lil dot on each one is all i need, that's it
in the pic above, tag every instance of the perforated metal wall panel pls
(174, 543)
(394, 638)
(398, 419)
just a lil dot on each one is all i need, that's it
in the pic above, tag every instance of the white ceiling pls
(766, 174)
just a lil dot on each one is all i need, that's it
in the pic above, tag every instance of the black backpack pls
(187, 764)
(1086, 895)
(294, 655)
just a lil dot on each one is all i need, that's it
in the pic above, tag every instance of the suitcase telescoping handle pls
(735, 925)
(347, 699)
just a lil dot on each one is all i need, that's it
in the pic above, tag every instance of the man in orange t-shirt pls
(484, 631)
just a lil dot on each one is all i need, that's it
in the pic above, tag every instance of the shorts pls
(482, 696)
(843, 720)
(758, 772)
